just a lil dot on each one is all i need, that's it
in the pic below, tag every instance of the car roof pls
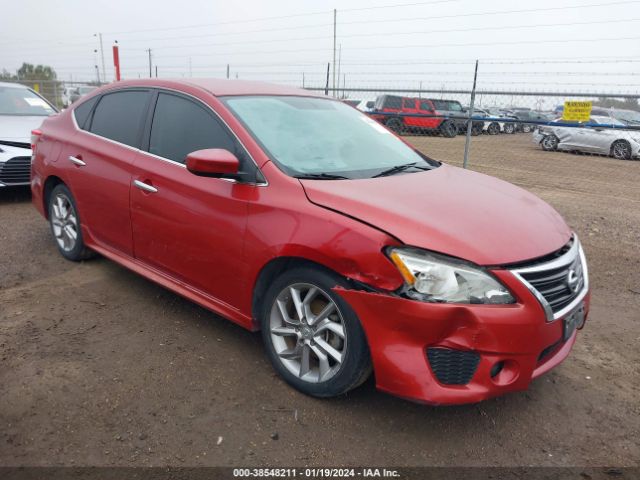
(219, 87)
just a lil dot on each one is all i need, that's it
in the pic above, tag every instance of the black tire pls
(355, 367)
(493, 128)
(76, 251)
(448, 129)
(476, 129)
(396, 124)
(621, 149)
(550, 143)
(526, 128)
(509, 128)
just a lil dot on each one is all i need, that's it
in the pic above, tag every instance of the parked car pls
(292, 213)
(495, 124)
(407, 114)
(456, 112)
(79, 92)
(527, 115)
(620, 143)
(21, 110)
(366, 106)
(630, 118)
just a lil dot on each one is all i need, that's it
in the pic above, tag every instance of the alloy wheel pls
(308, 333)
(64, 222)
(621, 150)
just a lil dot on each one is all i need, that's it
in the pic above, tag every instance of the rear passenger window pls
(181, 126)
(82, 112)
(119, 116)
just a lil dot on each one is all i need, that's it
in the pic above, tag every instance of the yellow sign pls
(36, 87)
(576, 111)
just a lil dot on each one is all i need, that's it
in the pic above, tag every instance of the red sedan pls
(299, 216)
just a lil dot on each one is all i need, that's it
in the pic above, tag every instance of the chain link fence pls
(503, 124)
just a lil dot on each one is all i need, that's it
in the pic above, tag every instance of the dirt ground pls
(99, 366)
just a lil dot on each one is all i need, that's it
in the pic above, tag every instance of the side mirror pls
(213, 162)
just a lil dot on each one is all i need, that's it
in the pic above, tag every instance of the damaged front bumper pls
(441, 353)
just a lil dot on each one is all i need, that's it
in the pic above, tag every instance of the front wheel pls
(509, 128)
(448, 129)
(65, 225)
(621, 149)
(312, 336)
(526, 128)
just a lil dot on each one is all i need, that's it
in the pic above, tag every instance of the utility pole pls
(302, 79)
(156, 71)
(104, 78)
(227, 71)
(339, 61)
(97, 72)
(150, 71)
(467, 142)
(335, 14)
(190, 70)
(326, 88)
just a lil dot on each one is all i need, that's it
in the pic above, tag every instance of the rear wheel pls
(493, 129)
(65, 225)
(509, 128)
(395, 124)
(550, 143)
(526, 128)
(621, 149)
(312, 336)
(448, 129)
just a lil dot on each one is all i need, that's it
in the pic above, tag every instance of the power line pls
(496, 12)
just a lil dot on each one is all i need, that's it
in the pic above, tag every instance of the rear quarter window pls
(83, 111)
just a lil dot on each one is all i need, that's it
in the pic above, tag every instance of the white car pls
(610, 139)
(494, 126)
(21, 110)
(366, 106)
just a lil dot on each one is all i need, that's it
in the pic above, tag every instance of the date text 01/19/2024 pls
(315, 473)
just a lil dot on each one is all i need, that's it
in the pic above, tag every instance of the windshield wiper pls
(400, 168)
(321, 176)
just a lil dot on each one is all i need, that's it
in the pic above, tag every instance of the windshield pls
(22, 101)
(308, 136)
(627, 115)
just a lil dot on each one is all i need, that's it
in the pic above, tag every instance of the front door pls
(189, 227)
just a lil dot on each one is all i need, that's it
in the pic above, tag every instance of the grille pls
(558, 282)
(452, 367)
(16, 170)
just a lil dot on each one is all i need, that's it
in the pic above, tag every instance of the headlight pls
(435, 278)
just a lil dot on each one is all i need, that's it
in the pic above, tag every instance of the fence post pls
(467, 142)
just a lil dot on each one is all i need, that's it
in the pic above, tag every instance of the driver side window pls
(181, 126)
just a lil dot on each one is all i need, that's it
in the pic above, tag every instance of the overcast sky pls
(384, 43)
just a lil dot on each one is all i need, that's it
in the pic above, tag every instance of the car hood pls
(452, 211)
(17, 128)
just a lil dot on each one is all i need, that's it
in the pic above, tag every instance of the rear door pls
(188, 227)
(99, 161)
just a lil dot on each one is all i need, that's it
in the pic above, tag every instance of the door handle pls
(76, 161)
(145, 186)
